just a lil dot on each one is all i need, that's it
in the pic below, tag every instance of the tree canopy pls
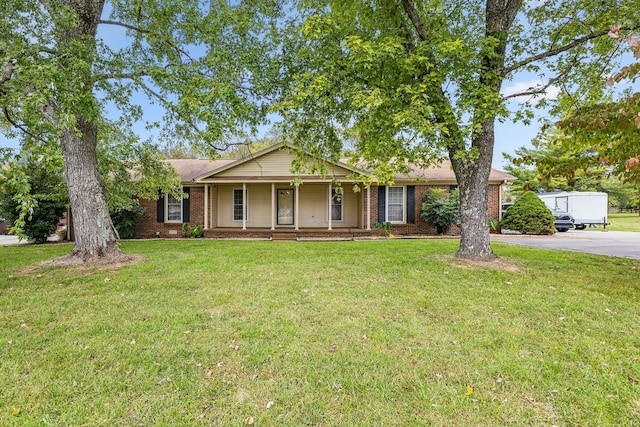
(207, 64)
(411, 81)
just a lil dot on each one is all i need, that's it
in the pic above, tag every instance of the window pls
(336, 204)
(174, 209)
(237, 204)
(395, 204)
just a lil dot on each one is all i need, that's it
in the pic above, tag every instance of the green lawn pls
(624, 222)
(379, 333)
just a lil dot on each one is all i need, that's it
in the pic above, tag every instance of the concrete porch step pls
(284, 237)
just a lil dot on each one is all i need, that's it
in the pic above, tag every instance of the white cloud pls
(550, 93)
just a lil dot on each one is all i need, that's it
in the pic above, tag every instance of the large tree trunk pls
(473, 173)
(94, 233)
(92, 226)
(473, 183)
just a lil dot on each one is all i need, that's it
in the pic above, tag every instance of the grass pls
(624, 222)
(326, 334)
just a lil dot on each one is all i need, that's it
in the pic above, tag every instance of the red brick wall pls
(147, 225)
(420, 226)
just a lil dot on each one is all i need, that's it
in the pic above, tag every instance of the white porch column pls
(206, 206)
(295, 211)
(244, 206)
(273, 206)
(330, 205)
(368, 208)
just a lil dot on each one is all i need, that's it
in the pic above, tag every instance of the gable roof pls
(281, 147)
(192, 170)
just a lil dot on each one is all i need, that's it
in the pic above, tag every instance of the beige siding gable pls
(276, 163)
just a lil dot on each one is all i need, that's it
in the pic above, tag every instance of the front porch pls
(288, 234)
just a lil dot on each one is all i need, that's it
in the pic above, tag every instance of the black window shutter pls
(186, 206)
(411, 204)
(382, 202)
(160, 207)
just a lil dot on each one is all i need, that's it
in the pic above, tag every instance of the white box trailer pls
(586, 207)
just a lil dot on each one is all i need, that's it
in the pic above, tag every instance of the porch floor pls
(288, 233)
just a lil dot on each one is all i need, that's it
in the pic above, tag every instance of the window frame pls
(404, 204)
(166, 209)
(233, 205)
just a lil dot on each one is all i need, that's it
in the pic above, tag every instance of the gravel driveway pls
(624, 244)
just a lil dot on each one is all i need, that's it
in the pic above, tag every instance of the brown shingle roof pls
(189, 169)
(444, 172)
(192, 168)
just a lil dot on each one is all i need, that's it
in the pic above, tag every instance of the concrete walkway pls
(9, 240)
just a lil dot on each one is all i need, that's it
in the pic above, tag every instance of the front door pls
(285, 206)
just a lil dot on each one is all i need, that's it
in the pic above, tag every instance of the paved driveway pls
(624, 244)
(9, 240)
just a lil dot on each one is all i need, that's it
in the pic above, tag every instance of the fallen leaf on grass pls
(15, 412)
(250, 421)
(234, 345)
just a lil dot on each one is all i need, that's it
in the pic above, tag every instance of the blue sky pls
(509, 136)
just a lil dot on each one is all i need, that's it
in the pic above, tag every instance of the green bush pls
(27, 182)
(43, 219)
(124, 221)
(440, 209)
(190, 232)
(529, 215)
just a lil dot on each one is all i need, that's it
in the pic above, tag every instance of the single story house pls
(258, 197)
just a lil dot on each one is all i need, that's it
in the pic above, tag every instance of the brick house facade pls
(248, 198)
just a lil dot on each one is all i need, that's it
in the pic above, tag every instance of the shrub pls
(124, 221)
(383, 226)
(440, 209)
(44, 220)
(529, 215)
(33, 196)
(194, 232)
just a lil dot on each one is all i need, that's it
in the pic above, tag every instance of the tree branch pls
(144, 31)
(122, 24)
(169, 106)
(7, 73)
(19, 126)
(561, 49)
(130, 76)
(412, 13)
(542, 89)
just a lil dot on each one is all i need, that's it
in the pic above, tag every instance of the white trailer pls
(586, 207)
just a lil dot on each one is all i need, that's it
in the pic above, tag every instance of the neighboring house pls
(255, 197)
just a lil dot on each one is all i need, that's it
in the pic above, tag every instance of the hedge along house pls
(259, 197)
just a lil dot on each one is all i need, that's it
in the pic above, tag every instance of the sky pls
(509, 136)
